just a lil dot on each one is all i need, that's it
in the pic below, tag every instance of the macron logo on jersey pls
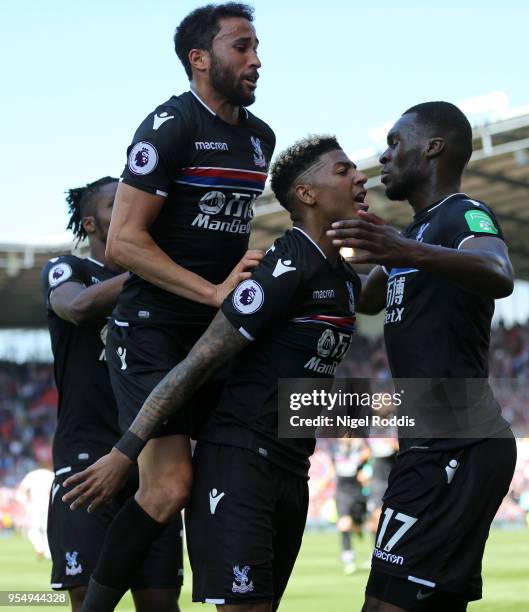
(450, 470)
(282, 267)
(211, 146)
(214, 498)
(122, 354)
(159, 120)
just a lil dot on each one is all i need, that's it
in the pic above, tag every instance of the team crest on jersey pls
(143, 158)
(248, 297)
(59, 273)
(421, 231)
(72, 567)
(326, 343)
(212, 202)
(258, 156)
(241, 577)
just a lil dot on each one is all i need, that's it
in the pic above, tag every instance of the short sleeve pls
(466, 219)
(268, 297)
(156, 151)
(59, 270)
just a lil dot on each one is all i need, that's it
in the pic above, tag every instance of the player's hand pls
(372, 239)
(252, 258)
(99, 482)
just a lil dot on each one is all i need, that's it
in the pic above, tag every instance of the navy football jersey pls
(299, 312)
(87, 420)
(435, 328)
(210, 173)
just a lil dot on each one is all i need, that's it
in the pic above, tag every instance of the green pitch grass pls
(318, 582)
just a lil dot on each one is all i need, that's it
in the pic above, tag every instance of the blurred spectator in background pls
(350, 455)
(33, 494)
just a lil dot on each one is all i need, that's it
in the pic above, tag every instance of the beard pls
(224, 81)
(101, 229)
(397, 191)
(408, 179)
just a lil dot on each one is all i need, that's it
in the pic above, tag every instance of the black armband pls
(130, 444)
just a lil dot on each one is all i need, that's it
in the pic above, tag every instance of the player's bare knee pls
(176, 498)
(164, 501)
(344, 524)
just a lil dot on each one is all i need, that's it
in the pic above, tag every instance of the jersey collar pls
(95, 261)
(309, 238)
(435, 205)
(243, 114)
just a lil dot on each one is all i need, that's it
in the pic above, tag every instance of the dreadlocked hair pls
(80, 202)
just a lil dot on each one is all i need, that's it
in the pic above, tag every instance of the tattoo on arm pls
(219, 343)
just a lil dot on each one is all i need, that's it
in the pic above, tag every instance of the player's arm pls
(130, 245)
(481, 264)
(374, 285)
(81, 305)
(219, 343)
(373, 293)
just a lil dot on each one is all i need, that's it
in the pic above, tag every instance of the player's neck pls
(97, 252)
(317, 233)
(217, 103)
(426, 195)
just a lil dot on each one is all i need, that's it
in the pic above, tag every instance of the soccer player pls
(80, 294)
(181, 224)
(293, 318)
(32, 494)
(441, 277)
(349, 456)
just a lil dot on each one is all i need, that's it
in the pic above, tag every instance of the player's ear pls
(305, 194)
(199, 59)
(89, 224)
(435, 146)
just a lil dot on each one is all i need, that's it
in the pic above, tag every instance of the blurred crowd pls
(28, 412)
(28, 405)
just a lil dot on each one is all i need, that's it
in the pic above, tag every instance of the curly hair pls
(199, 28)
(81, 202)
(295, 160)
